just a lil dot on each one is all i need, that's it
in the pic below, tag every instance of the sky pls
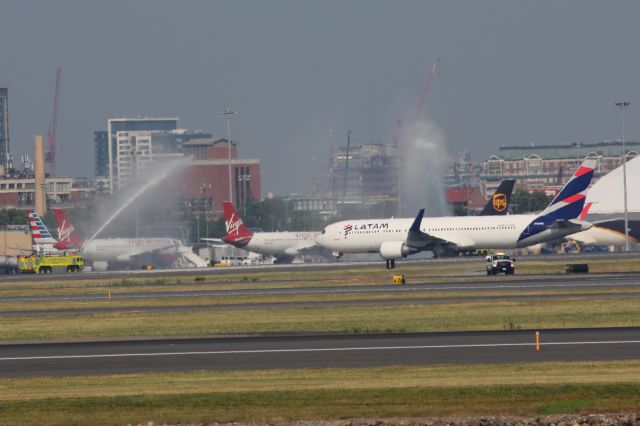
(301, 74)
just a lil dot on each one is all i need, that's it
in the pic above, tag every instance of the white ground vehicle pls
(500, 263)
(235, 261)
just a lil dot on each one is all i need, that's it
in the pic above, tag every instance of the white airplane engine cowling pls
(395, 250)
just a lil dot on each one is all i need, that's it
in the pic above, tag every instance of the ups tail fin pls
(498, 204)
(236, 229)
(67, 235)
(569, 202)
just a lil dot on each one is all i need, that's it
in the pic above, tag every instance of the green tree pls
(523, 201)
(14, 217)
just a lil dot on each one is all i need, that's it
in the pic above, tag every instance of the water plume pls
(423, 166)
(144, 182)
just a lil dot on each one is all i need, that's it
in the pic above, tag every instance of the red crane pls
(50, 152)
(425, 91)
(423, 101)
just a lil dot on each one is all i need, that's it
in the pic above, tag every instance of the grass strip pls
(564, 313)
(438, 376)
(428, 294)
(277, 406)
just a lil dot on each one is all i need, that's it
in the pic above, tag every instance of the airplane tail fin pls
(498, 204)
(569, 202)
(237, 232)
(67, 235)
(39, 232)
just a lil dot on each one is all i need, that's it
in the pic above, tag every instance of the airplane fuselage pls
(465, 232)
(280, 243)
(123, 249)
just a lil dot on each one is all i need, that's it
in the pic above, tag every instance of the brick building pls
(548, 167)
(204, 184)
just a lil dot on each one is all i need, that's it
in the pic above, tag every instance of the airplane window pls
(323, 231)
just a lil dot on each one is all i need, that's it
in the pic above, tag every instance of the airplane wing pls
(213, 240)
(418, 239)
(139, 251)
(299, 250)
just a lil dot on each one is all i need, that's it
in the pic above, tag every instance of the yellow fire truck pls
(49, 264)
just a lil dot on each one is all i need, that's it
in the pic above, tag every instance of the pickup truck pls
(500, 263)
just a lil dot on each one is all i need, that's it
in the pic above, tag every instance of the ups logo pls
(499, 202)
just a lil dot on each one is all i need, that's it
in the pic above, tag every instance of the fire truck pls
(49, 264)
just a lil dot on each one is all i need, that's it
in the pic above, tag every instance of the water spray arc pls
(153, 180)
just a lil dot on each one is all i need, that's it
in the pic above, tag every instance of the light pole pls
(228, 112)
(243, 183)
(622, 106)
(202, 204)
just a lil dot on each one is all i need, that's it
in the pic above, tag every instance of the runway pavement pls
(575, 284)
(570, 258)
(282, 352)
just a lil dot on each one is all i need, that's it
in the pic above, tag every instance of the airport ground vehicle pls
(49, 264)
(500, 263)
(233, 261)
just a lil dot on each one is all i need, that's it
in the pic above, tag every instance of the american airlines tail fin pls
(569, 202)
(237, 232)
(67, 235)
(498, 204)
(39, 233)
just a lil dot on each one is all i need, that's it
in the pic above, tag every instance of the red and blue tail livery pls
(565, 206)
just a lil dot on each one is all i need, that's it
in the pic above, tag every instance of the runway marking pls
(267, 351)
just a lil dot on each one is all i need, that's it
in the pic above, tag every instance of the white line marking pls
(266, 351)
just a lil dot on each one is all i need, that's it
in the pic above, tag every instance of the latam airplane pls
(104, 251)
(398, 238)
(284, 246)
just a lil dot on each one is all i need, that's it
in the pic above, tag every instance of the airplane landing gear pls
(337, 255)
(391, 263)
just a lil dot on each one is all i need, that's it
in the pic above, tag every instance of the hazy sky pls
(512, 73)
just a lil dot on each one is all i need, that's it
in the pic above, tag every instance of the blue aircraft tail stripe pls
(574, 186)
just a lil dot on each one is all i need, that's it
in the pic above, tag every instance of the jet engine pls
(396, 250)
(99, 265)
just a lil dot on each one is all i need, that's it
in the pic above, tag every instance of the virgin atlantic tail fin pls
(237, 233)
(67, 236)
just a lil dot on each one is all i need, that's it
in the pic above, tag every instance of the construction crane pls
(425, 91)
(50, 152)
(423, 100)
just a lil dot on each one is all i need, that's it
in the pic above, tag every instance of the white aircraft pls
(398, 238)
(605, 199)
(606, 232)
(104, 251)
(284, 246)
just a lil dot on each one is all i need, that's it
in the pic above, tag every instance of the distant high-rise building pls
(370, 171)
(101, 153)
(137, 151)
(4, 129)
(135, 124)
